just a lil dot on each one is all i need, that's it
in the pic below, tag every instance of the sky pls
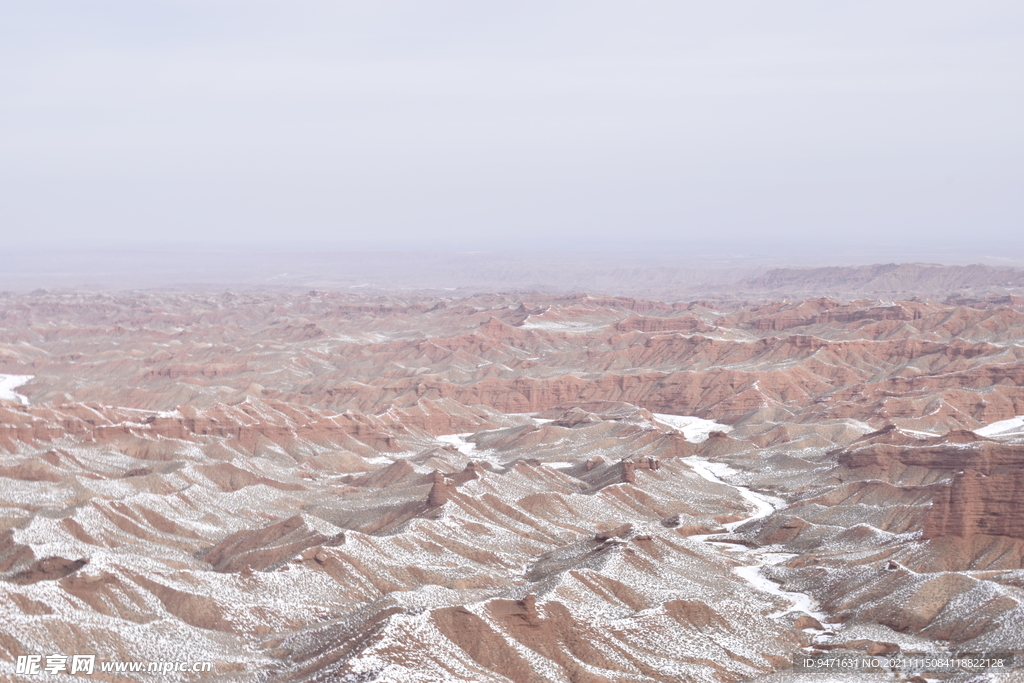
(465, 125)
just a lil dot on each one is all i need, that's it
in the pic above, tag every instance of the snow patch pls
(560, 325)
(713, 471)
(459, 441)
(8, 383)
(1001, 428)
(799, 602)
(693, 429)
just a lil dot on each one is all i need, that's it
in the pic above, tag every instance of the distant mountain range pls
(655, 276)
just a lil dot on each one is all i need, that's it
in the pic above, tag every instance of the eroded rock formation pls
(321, 486)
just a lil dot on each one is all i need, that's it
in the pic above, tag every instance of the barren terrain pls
(319, 486)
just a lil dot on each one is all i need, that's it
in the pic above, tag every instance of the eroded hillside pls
(320, 487)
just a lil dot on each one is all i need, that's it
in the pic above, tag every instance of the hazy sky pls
(483, 124)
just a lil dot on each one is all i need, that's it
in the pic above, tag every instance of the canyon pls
(317, 485)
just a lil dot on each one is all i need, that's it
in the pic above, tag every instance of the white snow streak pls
(1003, 427)
(8, 383)
(764, 506)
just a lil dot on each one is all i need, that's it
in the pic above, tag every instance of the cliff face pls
(979, 504)
(983, 489)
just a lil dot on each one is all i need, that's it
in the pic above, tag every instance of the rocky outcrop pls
(630, 467)
(439, 490)
(48, 569)
(984, 496)
(270, 546)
